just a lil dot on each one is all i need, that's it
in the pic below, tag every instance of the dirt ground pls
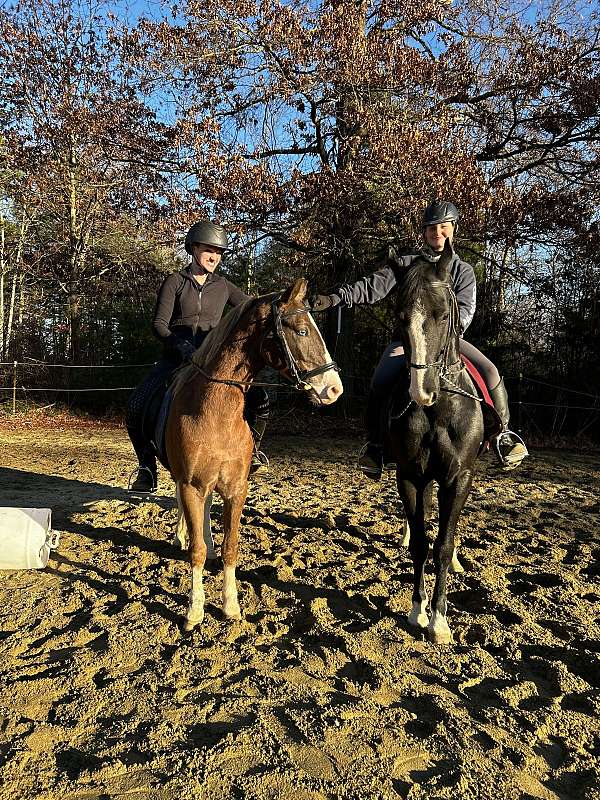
(322, 690)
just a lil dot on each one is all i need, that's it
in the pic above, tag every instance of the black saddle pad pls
(156, 406)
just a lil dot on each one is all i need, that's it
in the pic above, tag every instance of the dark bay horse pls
(435, 430)
(208, 442)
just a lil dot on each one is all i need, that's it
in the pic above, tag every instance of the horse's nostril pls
(334, 391)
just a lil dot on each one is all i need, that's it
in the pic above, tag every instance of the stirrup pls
(259, 464)
(514, 458)
(367, 464)
(138, 473)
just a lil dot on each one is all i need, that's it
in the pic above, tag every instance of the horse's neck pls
(238, 360)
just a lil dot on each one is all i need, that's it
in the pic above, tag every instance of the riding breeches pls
(393, 362)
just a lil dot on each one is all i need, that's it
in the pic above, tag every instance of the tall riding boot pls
(260, 463)
(509, 446)
(146, 474)
(370, 460)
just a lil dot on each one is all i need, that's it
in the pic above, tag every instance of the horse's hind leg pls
(181, 528)
(412, 498)
(232, 511)
(451, 501)
(192, 502)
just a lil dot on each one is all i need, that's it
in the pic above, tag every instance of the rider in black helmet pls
(439, 223)
(189, 304)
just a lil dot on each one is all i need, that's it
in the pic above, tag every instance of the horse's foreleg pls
(232, 511)
(192, 503)
(412, 498)
(181, 528)
(455, 565)
(451, 500)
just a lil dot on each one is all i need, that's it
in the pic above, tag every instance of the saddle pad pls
(492, 424)
(482, 389)
(159, 430)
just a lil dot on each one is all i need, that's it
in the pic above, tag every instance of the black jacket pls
(380, 283)
(187, 311)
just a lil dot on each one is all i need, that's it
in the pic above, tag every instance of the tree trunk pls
(2, 273)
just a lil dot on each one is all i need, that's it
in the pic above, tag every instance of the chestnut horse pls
(207, 440)
(436, 430)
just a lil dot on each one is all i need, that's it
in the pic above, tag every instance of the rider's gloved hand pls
(321, 302)
(185, 349)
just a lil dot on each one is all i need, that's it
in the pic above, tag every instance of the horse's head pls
(297, 349)
(427, 318)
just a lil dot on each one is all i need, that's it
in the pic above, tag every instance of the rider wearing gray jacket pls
(379, 284)
(439, 223)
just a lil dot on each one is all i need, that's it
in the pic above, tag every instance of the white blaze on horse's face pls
(309, 350)
(419, 392)
(327, 387)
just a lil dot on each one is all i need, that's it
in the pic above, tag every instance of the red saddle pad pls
(482, 389)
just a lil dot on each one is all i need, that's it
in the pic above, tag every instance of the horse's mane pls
(216, 338)
(416, 281)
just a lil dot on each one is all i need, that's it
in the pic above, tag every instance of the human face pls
(207, 257)
(436, 235)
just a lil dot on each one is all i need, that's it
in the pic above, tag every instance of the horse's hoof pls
(436, 637)
(438, 631)
(417, 618)
(455, 565)
(190, 624)
(233, 613)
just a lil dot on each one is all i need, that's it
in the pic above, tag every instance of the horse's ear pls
(296, 293)
(445, 260)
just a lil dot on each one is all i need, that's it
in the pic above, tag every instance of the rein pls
(298, 377)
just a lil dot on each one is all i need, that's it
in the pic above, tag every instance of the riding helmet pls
(440, 211)
(206, 232)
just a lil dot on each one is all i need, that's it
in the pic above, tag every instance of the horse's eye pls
(302, 332)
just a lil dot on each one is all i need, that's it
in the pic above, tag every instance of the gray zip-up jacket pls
(379, 284)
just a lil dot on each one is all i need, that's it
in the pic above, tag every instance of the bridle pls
(297, 377)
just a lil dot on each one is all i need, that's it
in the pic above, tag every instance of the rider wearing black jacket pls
(186, 310)
(439, 223)
(189, 304)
